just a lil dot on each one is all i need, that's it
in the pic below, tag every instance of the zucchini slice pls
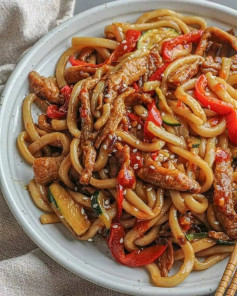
(193, 142)
(169, 119)
(97, 204)
(67, 209)
(154, 36)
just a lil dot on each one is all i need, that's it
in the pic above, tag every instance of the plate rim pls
(6, 190)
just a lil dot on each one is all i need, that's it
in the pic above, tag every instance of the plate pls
(90, 260)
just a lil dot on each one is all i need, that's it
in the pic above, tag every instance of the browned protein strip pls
(183, 74)
(217, 33)
(166, 260)
(77, 73)
(86, 130)
(224, 211)
(167, 178)
(46, 169)
(45, 88)
(118, 110)
(130, 71)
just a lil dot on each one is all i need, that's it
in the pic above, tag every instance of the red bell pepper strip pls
(136, 258)
(136, 160)
(157, 75)
(231, 124)
(154, 155)
(134, 117)
(75, 62)
(208, 101)
(129, 45)
(153, 116)
(185, 223)
(55, 112)
(135, 86)
(221, 155)
(168, 45)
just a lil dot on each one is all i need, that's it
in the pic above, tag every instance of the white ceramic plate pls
(91, 261)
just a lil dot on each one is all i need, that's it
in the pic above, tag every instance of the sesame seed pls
(139, 126)
(129, 126)
(125, 47)
(124, 41)
(152, 167)
(119, 138)
(85, 198)
(124, 192)
(61, 217)
(107, 95)
(90, 240)
(106, 171)
(209, 107)
(76, 188)
(138, 157)
(115, 226)
(82, 211)
(162, 75)
(109, 155)
(107, 202)
(137, 142)
(110, 137)
(124, 85)
(149, 189)
(105, 147)
(95, 205)
(135, 166)
(134, 150)
(115, 150)
(135, 209)
(167, 177)
(121, 241)
(120, 29)
(172, 156)
(162, 114)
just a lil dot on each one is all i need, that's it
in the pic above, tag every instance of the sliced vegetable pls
(136, 258)
(153, 116)
(193, 142)
(207, 100)
(67, 209)
(55, 112)
(218, 106)
(157, 75)
(231, 124)
(154, 36)
(227, 243)
(168, 46)
(128, 45)
(136, 159)
(169, 119)
(97, 204)
(192, 236)
(51, 199)
(75, 62)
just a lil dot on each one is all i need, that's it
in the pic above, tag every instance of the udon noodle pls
(137, 140)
